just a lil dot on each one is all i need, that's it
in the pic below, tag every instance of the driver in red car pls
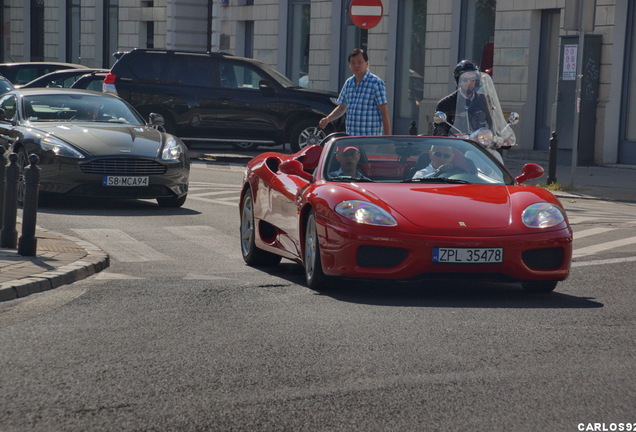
(348, 158)
(441, 159)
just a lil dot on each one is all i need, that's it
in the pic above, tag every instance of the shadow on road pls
(437, 293)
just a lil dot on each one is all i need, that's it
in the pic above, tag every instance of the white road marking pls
(600, 247)
(121, 246)
(603, 262)
(590, 232)
(210, 238)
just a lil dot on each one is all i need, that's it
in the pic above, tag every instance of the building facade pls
(526, 46)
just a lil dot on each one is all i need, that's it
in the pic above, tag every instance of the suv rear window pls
(181, 70)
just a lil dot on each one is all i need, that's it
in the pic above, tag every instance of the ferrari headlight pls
(542, 215)
(172, 150)
(60, 148)
(365, 212)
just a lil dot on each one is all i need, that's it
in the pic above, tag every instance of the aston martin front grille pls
(123, 166)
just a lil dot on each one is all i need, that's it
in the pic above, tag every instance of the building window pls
(630, 78)
(298, 42)
(248, 49)
(110, 43)
(410, 85)
(150, 34)
(73, 36)
(37, 30)
(478, 32)
(5, 43)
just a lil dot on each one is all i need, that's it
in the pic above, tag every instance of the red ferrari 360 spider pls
(403, 207)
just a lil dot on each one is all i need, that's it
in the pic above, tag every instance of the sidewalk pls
(59, 260)
(62, 260)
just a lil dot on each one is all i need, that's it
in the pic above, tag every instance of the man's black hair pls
(357, 51)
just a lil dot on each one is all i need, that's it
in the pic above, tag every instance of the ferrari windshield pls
(412, 159)
(77, 108)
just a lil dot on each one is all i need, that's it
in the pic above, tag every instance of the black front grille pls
(543, 259)
(380, 256)
(123, 166)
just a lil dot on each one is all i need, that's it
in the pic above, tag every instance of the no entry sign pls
(365, 13)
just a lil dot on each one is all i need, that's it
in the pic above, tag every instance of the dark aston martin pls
(92, 144)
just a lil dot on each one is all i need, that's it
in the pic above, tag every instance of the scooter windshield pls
(478, 113)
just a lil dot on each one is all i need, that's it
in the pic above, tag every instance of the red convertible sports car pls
(403, 207)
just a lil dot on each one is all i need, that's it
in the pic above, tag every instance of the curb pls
(94, 261)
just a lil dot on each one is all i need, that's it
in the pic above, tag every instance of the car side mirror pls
(295, 167)
(266, 87)
(530, 171)
(155, 119)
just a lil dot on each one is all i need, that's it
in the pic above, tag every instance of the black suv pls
(220, 97)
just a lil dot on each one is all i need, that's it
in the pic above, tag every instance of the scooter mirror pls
(513, 118)
(439, 117)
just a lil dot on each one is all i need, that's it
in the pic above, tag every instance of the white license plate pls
(467, 255)
(125, 181)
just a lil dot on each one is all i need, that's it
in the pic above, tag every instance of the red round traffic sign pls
(366, 13)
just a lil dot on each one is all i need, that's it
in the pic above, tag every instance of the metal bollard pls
(413, 129)
(554, 145)
(9, 235)
(27, 244)
(3, 167)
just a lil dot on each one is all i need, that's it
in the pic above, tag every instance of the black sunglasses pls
(441, 155)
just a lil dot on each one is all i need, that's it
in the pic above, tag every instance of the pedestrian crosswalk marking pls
(210, 238)
(121, 246)
(600, 247)
(589, 232)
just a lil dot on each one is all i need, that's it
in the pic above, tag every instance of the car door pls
(8, 135)
(237, 108)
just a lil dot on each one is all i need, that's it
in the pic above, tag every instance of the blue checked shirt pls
(363, 114)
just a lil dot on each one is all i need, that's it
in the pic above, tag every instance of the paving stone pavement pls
(59, 260)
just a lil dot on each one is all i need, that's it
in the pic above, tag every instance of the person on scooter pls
(466, 101)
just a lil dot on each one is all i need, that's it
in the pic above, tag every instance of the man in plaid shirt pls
(363, 98)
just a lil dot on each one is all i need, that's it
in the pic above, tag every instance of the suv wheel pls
(305, 133)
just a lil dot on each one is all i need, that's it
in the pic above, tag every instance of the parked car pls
(467, 219)
(64, 78)
(22, 73)
(93, 145)
(5, 85)
(220, 97)
(92, 81)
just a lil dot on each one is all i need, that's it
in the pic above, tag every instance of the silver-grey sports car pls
(94, 145)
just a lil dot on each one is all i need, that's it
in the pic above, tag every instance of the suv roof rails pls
(118, 54)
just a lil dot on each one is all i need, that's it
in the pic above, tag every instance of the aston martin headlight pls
(542, 215)
(365, 212)
(172, 150)
(60, 148)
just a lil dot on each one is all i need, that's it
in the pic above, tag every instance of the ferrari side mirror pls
(530, 171)
(295, 167)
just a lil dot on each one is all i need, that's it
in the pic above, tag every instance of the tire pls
(252, 255)
(305, 133)
(173, 202)
(539, 286)
(246, 146)
(314, 276)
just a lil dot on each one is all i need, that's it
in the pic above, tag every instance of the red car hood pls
(446, 206)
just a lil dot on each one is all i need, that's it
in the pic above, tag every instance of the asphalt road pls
(179, 335)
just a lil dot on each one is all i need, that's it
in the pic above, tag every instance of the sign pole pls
(577, 99)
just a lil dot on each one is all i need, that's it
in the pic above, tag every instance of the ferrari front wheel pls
(252, 255)
(539, 286)
(314, 275)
